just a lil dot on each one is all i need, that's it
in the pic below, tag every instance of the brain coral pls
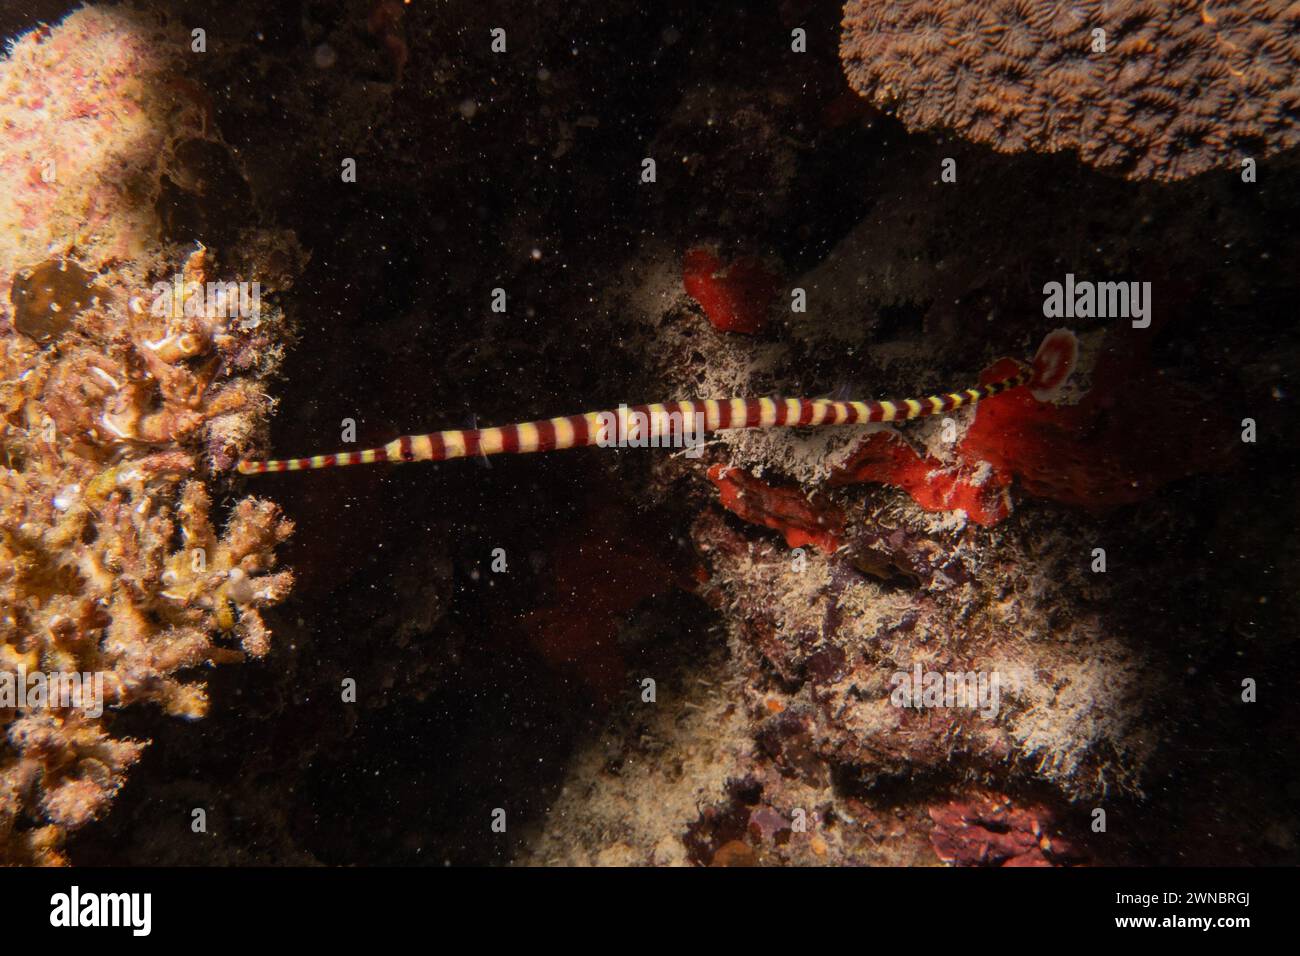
(1181, 86)
(114, 401)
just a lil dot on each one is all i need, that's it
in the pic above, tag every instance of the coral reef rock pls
(1153, 90)
(131, 362)
(991, 830)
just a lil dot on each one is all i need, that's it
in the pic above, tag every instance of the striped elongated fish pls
(672, 424)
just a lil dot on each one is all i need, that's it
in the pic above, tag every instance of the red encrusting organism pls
(969, 484)
(735, 298)
(1097, 454)
(886, 458)
(1094, 454)
(787, 510)
(990, 829)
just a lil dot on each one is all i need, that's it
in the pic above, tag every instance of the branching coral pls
(126, 367)
(1165, 90)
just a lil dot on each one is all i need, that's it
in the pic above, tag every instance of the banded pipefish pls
(671, 424)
